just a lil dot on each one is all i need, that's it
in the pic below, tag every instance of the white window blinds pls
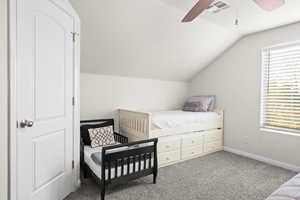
(280, 97)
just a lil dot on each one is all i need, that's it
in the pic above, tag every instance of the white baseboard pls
(263, 159)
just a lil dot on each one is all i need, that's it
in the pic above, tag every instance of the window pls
(280, 96)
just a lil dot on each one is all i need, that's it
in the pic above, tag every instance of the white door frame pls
(4, 101)
(67, 8)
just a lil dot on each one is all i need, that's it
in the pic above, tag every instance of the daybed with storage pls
(120, 163)
(181, 135)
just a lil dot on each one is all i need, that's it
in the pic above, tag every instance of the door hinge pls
(73, 164)
(73, 101)
(74, 34)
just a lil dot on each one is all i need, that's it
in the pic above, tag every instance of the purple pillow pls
(200, 104)
(193, 107)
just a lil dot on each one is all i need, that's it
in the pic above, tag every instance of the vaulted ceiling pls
(142, 38)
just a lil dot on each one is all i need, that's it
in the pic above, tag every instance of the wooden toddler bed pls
(119, 163)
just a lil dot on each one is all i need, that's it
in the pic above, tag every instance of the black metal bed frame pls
(112, 160)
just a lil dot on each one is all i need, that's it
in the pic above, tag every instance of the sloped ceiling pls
(139, 38)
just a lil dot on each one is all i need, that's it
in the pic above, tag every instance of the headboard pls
(84, 138)
(108, 122)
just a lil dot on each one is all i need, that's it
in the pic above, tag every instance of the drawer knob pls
(167, 146)
(167, 158)
(193, 141)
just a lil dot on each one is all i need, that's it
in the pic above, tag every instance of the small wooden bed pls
(122, 162)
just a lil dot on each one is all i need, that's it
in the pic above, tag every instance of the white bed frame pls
(137, 125)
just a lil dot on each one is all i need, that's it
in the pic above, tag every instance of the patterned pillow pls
(84, 131)
(102, 136)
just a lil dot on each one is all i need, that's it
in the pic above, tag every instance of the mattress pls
(176, 118)
(96, 167)
(288, 191)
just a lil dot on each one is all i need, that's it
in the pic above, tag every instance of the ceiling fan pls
(202, 5)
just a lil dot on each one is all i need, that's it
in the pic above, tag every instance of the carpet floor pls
(218, 176)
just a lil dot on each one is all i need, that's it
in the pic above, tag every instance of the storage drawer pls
(190, 140)
(167, 145)
(211, 136)
(213, 146)
(191, 152)
(168, 157)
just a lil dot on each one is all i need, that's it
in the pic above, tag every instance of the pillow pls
(84, 133)
(200, 104)
(102, 136)
(200, 98)
(193, 107)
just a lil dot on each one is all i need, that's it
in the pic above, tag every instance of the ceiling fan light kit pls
(202, 5)
(270, 5)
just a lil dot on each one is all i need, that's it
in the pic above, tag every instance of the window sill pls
(279, 131)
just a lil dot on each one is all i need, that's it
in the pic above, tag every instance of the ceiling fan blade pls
(200, 6)
(270, 5)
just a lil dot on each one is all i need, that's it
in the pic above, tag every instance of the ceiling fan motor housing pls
(270, 5)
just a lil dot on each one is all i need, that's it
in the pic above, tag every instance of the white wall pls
(235, 79)
(102, 95)
(3, 100)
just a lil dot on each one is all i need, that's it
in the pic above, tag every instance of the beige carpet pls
(218, 176)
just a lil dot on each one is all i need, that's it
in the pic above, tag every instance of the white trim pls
(271, 130)
(280, 45)
(76, 140)
(4, 102)
(263, 159)
(262, 93)
(13, 96)
(12, 99)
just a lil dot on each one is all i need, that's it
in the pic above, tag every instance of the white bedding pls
(88, 151)
(175, 118)
(288, 191)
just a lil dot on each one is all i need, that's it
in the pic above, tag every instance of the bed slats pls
(136, 160)
(135, 122)
(109, 171)
(144, 161)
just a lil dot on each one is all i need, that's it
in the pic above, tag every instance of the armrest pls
(120, 138)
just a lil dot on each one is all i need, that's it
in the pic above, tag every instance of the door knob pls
(26, 123)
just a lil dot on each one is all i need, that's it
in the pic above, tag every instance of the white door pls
(44, 99)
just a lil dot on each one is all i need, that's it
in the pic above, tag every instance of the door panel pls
(48, 161)
(50, 67)
(44, 96)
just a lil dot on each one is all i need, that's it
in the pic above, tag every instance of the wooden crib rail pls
(135, 125)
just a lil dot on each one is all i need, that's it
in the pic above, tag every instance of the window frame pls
(262, 127)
